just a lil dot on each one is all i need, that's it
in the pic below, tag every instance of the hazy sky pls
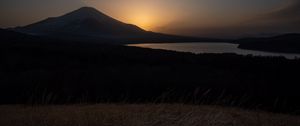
(188, 17)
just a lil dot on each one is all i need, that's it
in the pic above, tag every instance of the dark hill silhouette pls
(287, 43)
(89, 24)
(12, 36)
(9, 37)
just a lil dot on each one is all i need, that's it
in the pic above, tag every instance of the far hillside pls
(288, 43)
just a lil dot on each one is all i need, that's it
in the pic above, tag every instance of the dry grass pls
(139, 115)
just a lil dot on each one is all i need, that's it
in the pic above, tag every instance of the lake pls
(209, 47)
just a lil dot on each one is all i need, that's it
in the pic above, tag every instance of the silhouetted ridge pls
(291, 36)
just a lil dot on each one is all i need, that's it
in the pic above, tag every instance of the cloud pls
(283, 18)
(290, 11)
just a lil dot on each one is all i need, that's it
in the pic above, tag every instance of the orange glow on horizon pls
(145, 15)
(142, 20)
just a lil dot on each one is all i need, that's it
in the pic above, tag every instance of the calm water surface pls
(208, 47)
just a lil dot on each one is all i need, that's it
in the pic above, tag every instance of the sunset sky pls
(222, 18)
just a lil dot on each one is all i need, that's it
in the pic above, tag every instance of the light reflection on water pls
(208, 47)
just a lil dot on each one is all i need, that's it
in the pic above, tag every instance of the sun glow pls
(142, 20)
(149, 15)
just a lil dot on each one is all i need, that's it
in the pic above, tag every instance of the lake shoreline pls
(213, 47)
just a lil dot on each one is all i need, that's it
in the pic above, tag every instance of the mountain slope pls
(287, 43)
(8, 37)
(89, 24)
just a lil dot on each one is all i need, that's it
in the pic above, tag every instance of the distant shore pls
(286, 43)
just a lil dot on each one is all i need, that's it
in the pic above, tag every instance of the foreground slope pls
(139, 115)
(52, 71)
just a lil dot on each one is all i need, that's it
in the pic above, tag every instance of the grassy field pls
(139, 115)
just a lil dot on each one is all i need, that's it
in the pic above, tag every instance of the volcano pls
(89, 24)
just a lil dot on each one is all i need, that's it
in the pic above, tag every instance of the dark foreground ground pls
(139, 115)
(48, 71)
